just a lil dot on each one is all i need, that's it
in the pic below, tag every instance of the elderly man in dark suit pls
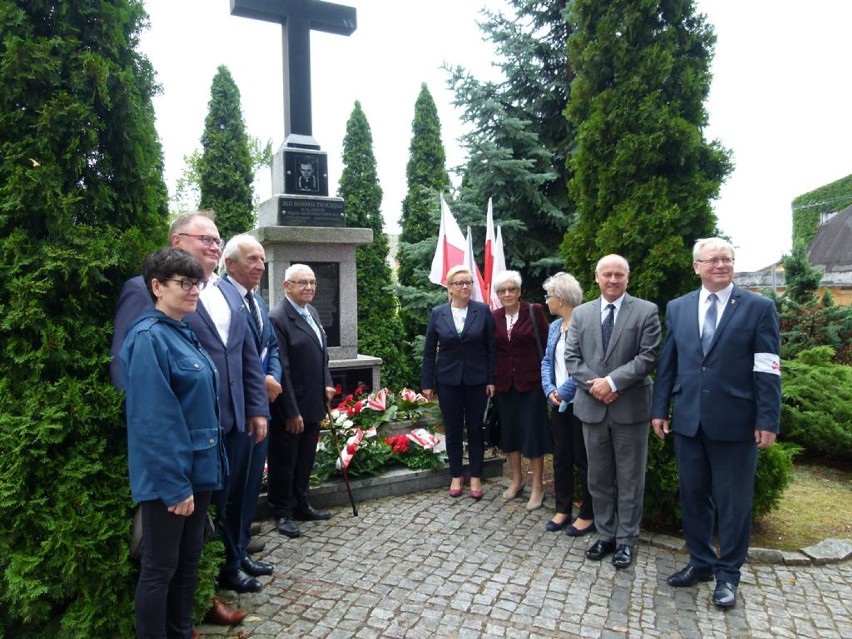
(243, 264)
(611, 352)
(720, 363)
(220, 322)
(299, 410)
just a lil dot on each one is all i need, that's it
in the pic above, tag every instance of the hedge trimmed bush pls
(816, 410)
(662, 499)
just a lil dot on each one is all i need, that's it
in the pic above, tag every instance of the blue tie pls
(607, 325)
(709, 324)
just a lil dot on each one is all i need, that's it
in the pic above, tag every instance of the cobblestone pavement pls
(426, 565)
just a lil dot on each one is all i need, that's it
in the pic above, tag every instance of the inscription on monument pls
(307, 211)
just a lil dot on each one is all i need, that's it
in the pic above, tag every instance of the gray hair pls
(711, 243)
(566, 287)
(505, 277)
(232, 249)
(297, 268)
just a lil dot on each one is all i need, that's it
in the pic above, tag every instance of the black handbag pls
(491, 424)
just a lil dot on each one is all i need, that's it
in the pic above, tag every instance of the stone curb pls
(828, 551)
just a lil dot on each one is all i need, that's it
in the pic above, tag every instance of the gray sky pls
(779, 98)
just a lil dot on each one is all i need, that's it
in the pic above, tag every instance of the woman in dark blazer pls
(563, 295)
(458, 366)
(523, 413)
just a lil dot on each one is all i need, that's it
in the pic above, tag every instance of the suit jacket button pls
(703, 368)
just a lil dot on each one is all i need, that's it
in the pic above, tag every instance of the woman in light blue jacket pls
(175, 449)
(563, 295)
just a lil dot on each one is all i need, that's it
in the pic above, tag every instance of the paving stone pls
(421, 565)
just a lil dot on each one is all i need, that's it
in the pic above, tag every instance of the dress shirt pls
(724, 295)
(304, 312)
(217, 307)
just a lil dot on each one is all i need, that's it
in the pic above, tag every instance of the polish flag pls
(490, 238)
(478, 294)
(451, 247)
(498, 265)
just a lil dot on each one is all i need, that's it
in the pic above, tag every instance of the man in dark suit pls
(611, 351)
(220, 322)
(299, 410)
(243, 264)
(720, 363)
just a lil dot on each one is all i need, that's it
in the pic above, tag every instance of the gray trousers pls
(618, 455)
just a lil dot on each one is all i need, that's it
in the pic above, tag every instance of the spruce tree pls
(520, 137)
(642, 173)
(82, 201)
(379, 324)
(427, 178)
(225, 168)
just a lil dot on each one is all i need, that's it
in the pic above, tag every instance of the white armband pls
(767, 363)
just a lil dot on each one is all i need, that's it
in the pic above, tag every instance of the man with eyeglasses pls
(221, 324)
(299, 410)
(720, 364)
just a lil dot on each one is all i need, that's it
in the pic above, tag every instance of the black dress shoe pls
(725, 594)
(238, 581)
(623, 557)
(572, 531)
(255, 568)
(287, 526)
(552, 526)
(309, 513)
(689, 576)
(600, 549)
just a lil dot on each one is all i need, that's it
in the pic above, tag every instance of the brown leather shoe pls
(195, 634)
(222, 614)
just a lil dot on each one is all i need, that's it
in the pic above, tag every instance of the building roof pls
(831, 249)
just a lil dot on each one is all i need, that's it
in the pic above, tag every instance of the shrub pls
(816, 412)
(662, 501)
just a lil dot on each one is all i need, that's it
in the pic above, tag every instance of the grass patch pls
(816, 506)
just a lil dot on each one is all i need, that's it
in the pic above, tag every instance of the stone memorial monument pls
(300, 223)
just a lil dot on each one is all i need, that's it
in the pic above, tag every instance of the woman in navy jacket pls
(175, 448)
(458, 366)
(563, 295)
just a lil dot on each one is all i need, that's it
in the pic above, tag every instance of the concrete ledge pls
(829, 551)
(394, 482)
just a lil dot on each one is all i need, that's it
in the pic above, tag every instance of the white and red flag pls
(498, 265)
(490, 239)
(478, 294)
(451, 247)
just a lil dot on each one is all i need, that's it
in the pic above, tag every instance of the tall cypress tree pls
(225, 168)
(643, 174)
(379, 324)
(82, 201)
(520, 137)
(427, 178)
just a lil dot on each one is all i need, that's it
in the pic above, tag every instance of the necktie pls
(255, 313)
(606, 326)
(709, 324)
(310, 320)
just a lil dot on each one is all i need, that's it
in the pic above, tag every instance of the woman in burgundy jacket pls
(520, 402)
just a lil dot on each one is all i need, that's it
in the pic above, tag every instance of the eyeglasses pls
(206, 240)
(548, 296)
(715, 261)
(303, 283)
(503, 291)
(187, 285)
(462, 284)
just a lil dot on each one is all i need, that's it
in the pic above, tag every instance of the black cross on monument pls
(297, 19)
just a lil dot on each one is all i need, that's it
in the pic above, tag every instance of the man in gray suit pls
(611, 351)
